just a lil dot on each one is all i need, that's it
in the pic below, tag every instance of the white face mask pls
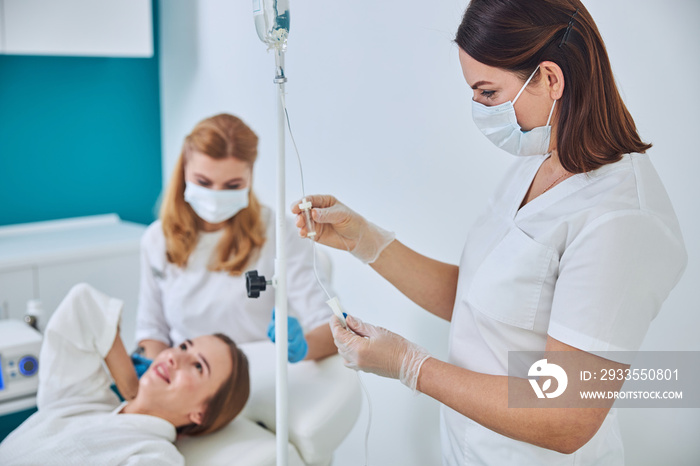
(500, 125)
(215, 206)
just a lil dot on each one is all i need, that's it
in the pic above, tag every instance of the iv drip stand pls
(280, 278)
(272, 25)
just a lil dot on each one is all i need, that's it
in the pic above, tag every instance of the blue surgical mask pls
(215, 206)
(500, 125)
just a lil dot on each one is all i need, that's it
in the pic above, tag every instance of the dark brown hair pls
(229, 399)
(593, 125)
(219, 137)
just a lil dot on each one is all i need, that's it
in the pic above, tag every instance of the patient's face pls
(181, 379)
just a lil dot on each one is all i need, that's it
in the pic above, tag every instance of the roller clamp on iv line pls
(255, 283)
(305, 207)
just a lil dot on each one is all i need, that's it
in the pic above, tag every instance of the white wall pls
(382, 118)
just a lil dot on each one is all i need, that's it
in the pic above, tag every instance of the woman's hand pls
(141, 363)
(379, 351)
(297, 347)
(340, 227)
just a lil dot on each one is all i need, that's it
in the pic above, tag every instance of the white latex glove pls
(379, 351)
(340, 227)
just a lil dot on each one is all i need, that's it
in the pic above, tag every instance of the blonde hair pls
(218, 137)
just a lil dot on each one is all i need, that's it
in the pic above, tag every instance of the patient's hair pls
(229, 399)
(218, 137)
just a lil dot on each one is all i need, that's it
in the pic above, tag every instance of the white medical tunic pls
(588, 262)
(176, 303)
(78, 421)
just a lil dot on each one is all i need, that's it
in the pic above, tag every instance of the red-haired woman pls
(212, 229)
(571, 260)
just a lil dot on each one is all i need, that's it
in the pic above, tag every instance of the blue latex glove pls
(141, 364)
(297, 349)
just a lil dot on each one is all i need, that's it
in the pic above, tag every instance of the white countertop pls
(53, 241)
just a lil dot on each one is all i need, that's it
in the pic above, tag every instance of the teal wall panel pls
(79, 136)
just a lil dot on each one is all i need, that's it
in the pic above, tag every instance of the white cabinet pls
(122, 28)
(44, 260)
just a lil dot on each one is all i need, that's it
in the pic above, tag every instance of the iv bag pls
(272, 22)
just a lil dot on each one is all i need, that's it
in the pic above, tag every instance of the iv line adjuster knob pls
(255, 283)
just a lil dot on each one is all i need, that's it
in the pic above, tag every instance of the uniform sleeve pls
(150, 316)
(307, 300)
(78, 336)
(612, 281)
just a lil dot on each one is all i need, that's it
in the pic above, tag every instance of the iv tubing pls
(318, 279)
(296, 150)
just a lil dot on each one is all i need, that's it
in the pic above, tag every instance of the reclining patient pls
(194, 388)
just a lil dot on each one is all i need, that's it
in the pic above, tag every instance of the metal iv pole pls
(272, 24)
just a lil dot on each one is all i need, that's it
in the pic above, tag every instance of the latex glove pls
(340, 227)
(379, 351)
(296, 343)
(141, 363)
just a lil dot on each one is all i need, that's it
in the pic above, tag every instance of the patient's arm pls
(122, 369)
(152, 348)
(320, 341)
(77, 339)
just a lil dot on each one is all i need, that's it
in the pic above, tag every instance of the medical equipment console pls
(20, 345)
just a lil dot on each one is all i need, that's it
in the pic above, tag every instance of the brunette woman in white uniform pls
(211, 230)
(575, 253)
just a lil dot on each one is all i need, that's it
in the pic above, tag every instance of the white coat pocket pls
(507, 286)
